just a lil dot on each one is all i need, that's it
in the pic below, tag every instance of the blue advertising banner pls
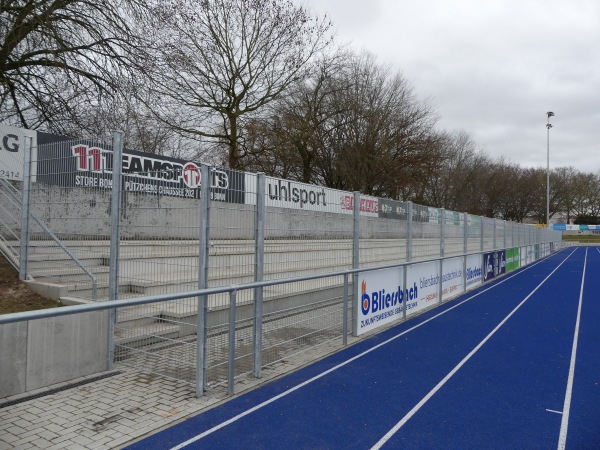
(501, 259)
(494, 264)
(490, 265)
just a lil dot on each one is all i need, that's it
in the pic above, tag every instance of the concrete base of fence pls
(48, 290)
(43, 352)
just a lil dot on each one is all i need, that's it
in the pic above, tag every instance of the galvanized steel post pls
(25, 206)
(409, 220)
(115, 238)
(345, 313)
(409, 223)
(231, 366)
(465, 247)
(481, 230)
(442, 251)
(355, 260)
(203, 248)
(259, 268)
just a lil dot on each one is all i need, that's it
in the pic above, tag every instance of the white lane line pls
(552, 411)
(316, 377)
(431, 393)
(564, 423)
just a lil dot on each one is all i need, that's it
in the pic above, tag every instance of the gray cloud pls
(493, 68)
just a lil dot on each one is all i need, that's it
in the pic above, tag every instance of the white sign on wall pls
(380, 296)
(295, 195)
(452, 278)
(12, 154)
(474, 271)
(530, 254)
(425, 279)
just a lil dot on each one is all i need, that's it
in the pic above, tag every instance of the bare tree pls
(382, 136)
(58, 54)
(217, 63)
(290, 141)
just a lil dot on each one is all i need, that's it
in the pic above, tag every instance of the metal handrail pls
(55, 239)
(104, 305)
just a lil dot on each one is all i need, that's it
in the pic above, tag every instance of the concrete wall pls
(80, 213)
(43, 352)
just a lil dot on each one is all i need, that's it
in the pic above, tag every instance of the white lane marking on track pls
(431, 393)
(316, 377)
(552, 411)
(564, 423)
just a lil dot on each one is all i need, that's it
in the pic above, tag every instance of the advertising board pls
(494, 264)
(425, 278)
(453, 280)
(85, 164)
(474, 271)
(12, 154)
(282, 193)
(393, 209)
(380, 298)
(513, 259)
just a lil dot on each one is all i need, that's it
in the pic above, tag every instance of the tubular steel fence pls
(258, 269)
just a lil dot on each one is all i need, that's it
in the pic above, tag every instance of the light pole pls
(548, 126)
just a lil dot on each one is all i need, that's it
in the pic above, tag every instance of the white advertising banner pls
(12, 155)
(523, 254)
(474, 263)
(530, 254)
(452, 278)
(434, 215)
(425, 279)
(380, 296)
(295, 195)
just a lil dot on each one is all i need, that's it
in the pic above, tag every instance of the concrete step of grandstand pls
(39, 263)
(143, 335)
(147, 276)
(180, 316)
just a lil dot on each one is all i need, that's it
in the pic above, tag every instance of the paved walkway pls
(100, 414)
(120, 408)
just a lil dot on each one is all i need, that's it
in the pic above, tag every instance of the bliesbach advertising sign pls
(380, 296)
(87, 165)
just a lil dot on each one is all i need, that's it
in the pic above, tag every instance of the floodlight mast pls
(548, 126)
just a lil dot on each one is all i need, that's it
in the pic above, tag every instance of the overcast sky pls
(492, 68)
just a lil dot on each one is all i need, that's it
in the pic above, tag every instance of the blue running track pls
(512, 365)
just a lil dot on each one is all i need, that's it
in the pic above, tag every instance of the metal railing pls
(148, 228)
(234, 325)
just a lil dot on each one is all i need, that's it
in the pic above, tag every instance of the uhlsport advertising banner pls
(380, 298)
(513, 259)
(474, 271)
(425, 279)
(452, 278)
(295, 195)
(12, 152)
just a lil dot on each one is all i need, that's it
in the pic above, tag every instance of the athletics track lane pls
(356, 404)
(584, 426)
